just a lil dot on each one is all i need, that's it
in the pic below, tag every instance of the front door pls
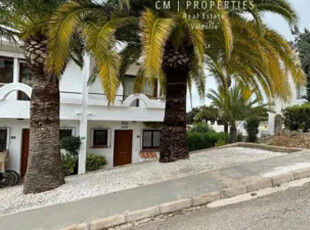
(122, 147)
(25, 152)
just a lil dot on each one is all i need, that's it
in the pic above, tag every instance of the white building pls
(119, 132)
(298, 92)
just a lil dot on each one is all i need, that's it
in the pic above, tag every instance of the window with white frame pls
(151, 139)
(6, 70)
(3, 139)
(148, 89)
(100, 138)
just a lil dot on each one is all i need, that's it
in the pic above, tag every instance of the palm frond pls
(62, 26)
(155, 32)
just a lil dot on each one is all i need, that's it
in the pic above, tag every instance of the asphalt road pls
(288, 210)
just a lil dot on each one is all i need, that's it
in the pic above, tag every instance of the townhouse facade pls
(122, 132)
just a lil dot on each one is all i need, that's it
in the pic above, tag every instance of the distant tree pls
(191, 114)
(234, 105)
(207, 113)
(302, 44)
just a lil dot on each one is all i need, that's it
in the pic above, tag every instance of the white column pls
(84, 116)
(158, 88)
(16, 74)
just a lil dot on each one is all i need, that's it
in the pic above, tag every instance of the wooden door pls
(122, 147)
(25, 152)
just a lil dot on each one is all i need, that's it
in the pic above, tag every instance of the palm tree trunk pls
(44, 171)
(226, 127)
(233, 133)
(174, 145)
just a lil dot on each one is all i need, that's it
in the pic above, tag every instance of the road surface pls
(287, 210)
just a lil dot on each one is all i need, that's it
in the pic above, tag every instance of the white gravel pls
(77, 187)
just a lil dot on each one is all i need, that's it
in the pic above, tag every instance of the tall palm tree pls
(26, 21)
(175, 51)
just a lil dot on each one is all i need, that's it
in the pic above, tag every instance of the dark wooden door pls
(25, 152)
(122, 147)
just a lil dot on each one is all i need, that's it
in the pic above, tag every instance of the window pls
(147, 89)
(6, 70)
(26, 78)
(100, 138)
(65, 133)
(25, 74)
(151, 139)
(3, 139)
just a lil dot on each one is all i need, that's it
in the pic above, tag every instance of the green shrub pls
(297, 117)
(200, 128)
(69, 164)
(71, 144)
(252, 129)
(95, 162)
(198, 141)
(220, 142)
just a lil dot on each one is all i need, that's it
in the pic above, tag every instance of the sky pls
(275, 22)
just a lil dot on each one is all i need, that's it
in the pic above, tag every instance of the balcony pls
(135, 107)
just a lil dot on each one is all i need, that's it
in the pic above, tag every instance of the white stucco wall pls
(112, 126)
(15, 128)
(279, 105)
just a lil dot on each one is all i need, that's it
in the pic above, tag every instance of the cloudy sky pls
(301, 6)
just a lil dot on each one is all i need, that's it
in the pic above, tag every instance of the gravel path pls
(77, 187)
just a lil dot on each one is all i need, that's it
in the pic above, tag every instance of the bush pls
(198, 141)
(220, 142)
(252, 129)
(95, 162)
(71, 144)
(201, 128)
(69, 164)
(297, 117)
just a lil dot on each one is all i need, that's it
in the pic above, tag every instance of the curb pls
(242, 187)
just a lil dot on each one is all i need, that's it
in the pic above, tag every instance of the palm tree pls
(174, 51)
(26, 21)
(234, 104)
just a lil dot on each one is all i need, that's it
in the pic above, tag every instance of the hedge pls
(297, 117)
(198, 141)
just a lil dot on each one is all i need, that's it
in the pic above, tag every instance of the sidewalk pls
(151, 200)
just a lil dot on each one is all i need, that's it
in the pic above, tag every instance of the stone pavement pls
(146, 201)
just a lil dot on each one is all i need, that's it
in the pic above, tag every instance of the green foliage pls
(237, 104)
(302, 43)
(207, 113)
(220, 142)
(95, 162)
(200, 128)
(252, 129)
(204, 140)
(191, 115)
(256, 61)
(69, 164)
(297, 117)
(71, 144)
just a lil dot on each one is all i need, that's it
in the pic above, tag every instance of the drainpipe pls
(16, 72)
(84, 116)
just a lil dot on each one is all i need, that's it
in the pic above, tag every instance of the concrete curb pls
(243, 186)
(272, 148)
